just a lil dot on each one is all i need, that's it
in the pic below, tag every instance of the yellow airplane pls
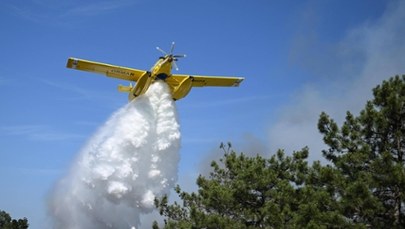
(180, 85)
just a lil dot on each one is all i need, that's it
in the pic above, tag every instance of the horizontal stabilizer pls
(123, 88)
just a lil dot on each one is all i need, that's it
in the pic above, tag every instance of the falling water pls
(130, 160)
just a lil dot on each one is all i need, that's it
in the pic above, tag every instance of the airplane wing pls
(213, 81)
(105, 69)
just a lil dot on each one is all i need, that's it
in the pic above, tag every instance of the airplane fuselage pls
(162, 71)
(162, 68)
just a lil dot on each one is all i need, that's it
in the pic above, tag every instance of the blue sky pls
(298, 58)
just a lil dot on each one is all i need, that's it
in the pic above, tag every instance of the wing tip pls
(72, 62)
(238, 81)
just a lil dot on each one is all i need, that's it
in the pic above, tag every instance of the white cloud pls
(97, 8)
(37, 133)
(57, 12)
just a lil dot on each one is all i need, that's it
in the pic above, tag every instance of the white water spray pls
(132, 159)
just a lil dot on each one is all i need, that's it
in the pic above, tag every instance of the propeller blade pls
(175, 65)
(161, 50)
(179, 56)
(172, 48)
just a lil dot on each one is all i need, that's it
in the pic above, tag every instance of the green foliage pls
(369, 153)
(6, 222)
(363, 186)
(254, 192)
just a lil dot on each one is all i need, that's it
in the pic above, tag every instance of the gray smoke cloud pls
(130, 160)
(344, 74)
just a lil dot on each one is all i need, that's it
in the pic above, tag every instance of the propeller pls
(171, 55)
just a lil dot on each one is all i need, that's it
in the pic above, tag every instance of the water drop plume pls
(131, 159)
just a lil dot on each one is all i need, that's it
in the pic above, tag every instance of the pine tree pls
(6, 222)
(254, 192)
(363, 186)
(368, 153)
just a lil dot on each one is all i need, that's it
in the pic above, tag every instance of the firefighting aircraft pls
(180, 85)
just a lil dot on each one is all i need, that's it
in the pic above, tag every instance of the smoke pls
(132, 159)
(362, 59)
